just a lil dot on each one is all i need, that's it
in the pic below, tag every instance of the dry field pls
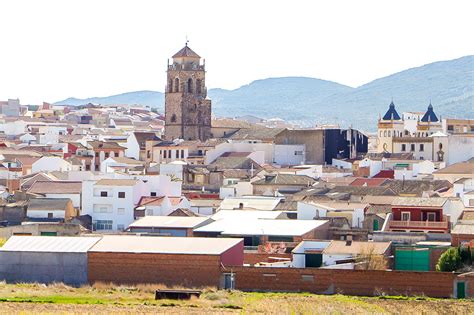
(104, 299)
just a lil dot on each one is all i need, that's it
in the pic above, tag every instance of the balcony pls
(186, 67)
(420, 225)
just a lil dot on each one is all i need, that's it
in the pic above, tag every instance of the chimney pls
(349, 240)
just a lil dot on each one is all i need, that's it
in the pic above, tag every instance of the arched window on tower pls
(176, 85)
(190, 85)
(198, 86)
(173, 118)
(170, 86)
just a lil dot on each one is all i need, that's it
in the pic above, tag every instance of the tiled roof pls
(385, 174)
(40, 204)
(391, 114)
(223, 163)
(429, 116)
(150, 201)
(257, 133)
(56, 187)
(458, 168)
(370, 182)
(285, 179)
(419, 201)
(143, 137)
(186, 52)
(356, 247)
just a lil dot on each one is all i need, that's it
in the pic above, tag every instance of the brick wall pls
(457, 239)
(171, 270)
(253, 258)
(352, 282)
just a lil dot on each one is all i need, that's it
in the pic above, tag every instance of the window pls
(177, 154)
(404, 147)
(412, 147)
(121, 194)
(190, 85)
(431, 216)
(103, 194)
(121, 210)
(198, 86)
(148, 154)
(164, 154)
(182, 154)
(102, 209)
(173, 118)
(153, 194)
(120, 227)
(170, 86)
(106, 154)
(102, 225)
(422, 147)
(176, 85)
(450, 127)
(97, 154)
(50, 215)
(406, 216)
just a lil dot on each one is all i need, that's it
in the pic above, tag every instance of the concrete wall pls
(43, 267)
(312, 139)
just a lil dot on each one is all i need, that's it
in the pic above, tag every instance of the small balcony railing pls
(419, 224)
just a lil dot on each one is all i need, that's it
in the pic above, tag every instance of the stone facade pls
(187, 110)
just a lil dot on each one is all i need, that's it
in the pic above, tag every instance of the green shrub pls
(450, 260)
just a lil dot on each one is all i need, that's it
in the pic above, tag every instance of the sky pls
(51, 50)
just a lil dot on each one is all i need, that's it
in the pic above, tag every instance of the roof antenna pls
(187, 40)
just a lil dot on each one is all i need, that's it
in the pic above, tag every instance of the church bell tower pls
(187, 110)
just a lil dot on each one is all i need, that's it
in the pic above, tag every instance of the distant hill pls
(308, 101)
(150, 98)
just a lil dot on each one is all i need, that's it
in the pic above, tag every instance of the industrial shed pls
(172, 261)
(45, 259)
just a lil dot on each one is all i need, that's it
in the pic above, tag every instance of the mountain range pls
(448, 85)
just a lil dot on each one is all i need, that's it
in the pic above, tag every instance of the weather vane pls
(187, 40)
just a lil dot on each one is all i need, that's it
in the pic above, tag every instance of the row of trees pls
(455, 258)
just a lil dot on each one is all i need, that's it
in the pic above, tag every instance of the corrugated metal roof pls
(56, 244)
(164, 245)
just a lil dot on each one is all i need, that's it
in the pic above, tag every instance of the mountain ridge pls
(306, 101)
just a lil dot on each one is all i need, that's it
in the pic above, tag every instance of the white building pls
(50, 164)
(464, 190)
(111, 202)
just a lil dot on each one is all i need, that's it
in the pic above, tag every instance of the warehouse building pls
(172, 261)
(45, 259)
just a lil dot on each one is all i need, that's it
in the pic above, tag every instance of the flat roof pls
(164, 245)
(246, 214)
(169, 222)
(54, 244)
(247, 226)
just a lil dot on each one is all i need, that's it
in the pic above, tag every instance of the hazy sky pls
(51, 50)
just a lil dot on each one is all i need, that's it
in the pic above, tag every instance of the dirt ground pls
(107, 299)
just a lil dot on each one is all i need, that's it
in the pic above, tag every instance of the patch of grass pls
(229, 306)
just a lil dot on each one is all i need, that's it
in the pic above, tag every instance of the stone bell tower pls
(187, 110)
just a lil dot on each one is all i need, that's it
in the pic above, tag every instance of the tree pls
(450, 260)
(368, 259)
